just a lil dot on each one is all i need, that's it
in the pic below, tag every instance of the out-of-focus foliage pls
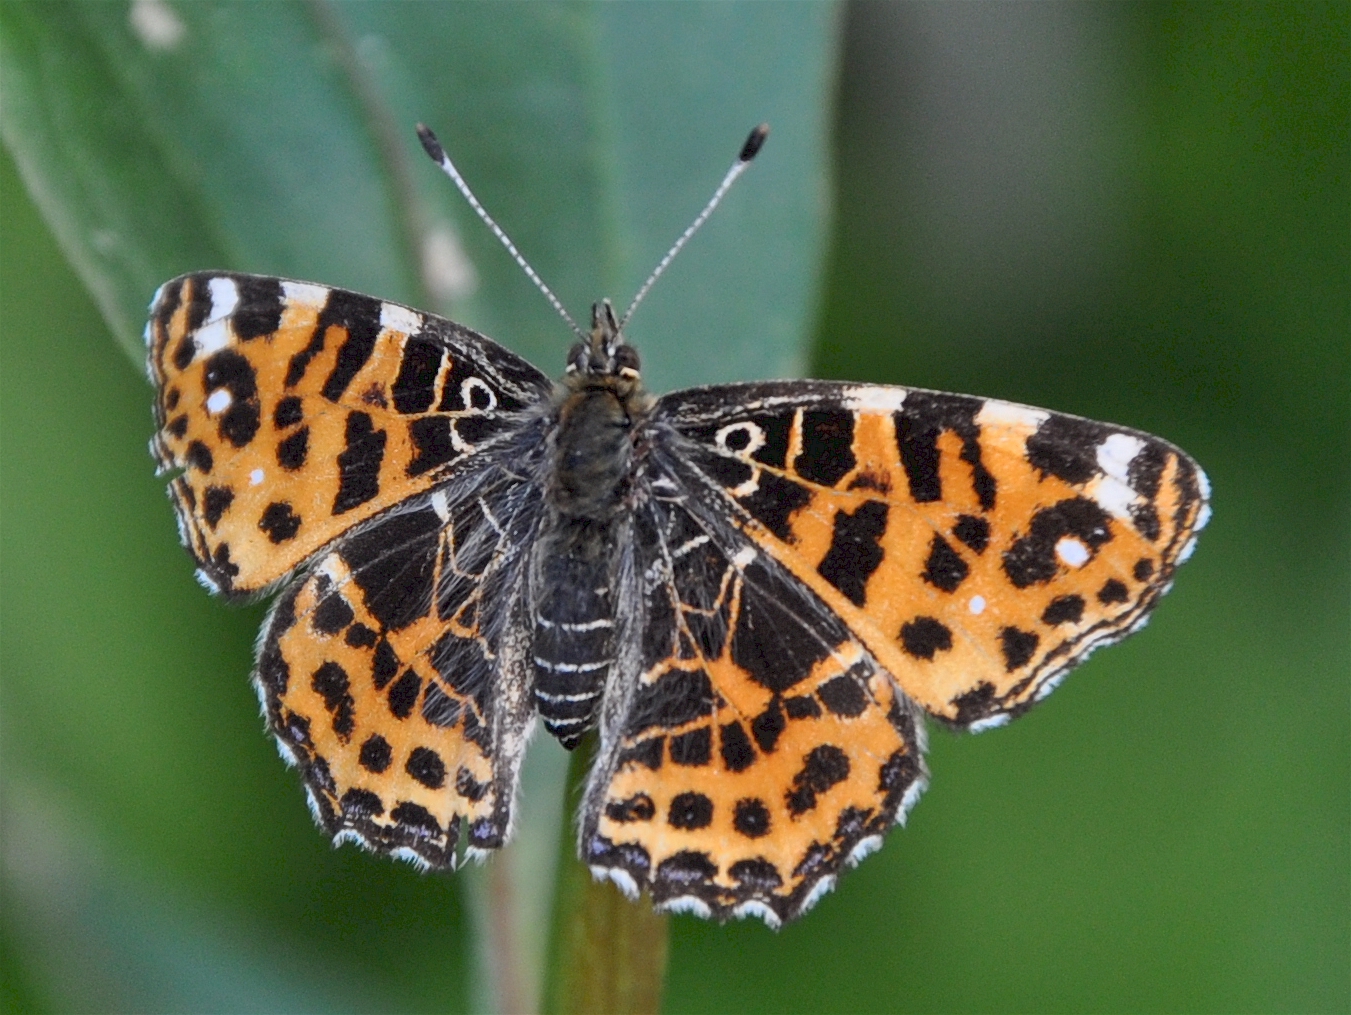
(1138, 213)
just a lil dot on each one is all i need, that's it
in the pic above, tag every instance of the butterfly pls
(754, 595)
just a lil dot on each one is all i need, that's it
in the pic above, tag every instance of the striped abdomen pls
(574, 625)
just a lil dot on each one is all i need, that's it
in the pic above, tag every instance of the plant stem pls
(606, 954)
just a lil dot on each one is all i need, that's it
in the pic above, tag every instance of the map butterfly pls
(754, 594)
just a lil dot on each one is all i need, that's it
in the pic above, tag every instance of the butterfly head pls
(604, 359)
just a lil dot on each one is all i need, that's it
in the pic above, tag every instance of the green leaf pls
(277, 138)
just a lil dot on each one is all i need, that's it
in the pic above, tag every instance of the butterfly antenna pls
(749, 150)
(439, 156)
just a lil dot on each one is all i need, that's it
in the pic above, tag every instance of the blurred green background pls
(1138, 213)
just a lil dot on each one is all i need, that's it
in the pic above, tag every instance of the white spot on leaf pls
(156, 24)
(446, 268)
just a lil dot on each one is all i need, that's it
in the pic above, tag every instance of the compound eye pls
(577, 356)
(626, 359)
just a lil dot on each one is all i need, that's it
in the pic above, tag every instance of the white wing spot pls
(754, 908)
(866, 846)
(214, 334)
(977, 605)
(1203, 517)
(622, 879)
(686, 904)
(224, 298)
(218, 401)
(743, 557)
(1010, 414)
(1071, 551)
(912, 794)
(256, 477)
(1116, 453)
(467, 388)
(1203, 483)
(305, 293)
(869, 398)
(1050, 685)
(819, 890)
(1187, 550)
(990, 722)
(441, 506)
(1114, 496)
(396, 318)
(755, 438)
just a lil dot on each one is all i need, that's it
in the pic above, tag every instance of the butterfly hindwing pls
(978, 549)
(392, 675)
(292, 412)
(756, 747)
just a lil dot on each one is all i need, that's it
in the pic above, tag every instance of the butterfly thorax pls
(601, 404)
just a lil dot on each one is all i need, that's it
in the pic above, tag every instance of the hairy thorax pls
(594, 449)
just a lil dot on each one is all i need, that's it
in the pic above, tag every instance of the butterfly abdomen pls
(574, 625)
(572, 571)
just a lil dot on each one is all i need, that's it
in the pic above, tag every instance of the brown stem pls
(606, 954)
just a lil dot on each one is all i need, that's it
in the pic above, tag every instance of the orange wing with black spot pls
(292, 412)
(761, 747)
(977, 548)
(832, 560)
(394, 675)
(386, 460)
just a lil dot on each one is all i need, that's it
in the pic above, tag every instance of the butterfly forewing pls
(293, 412)
(978, 549)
